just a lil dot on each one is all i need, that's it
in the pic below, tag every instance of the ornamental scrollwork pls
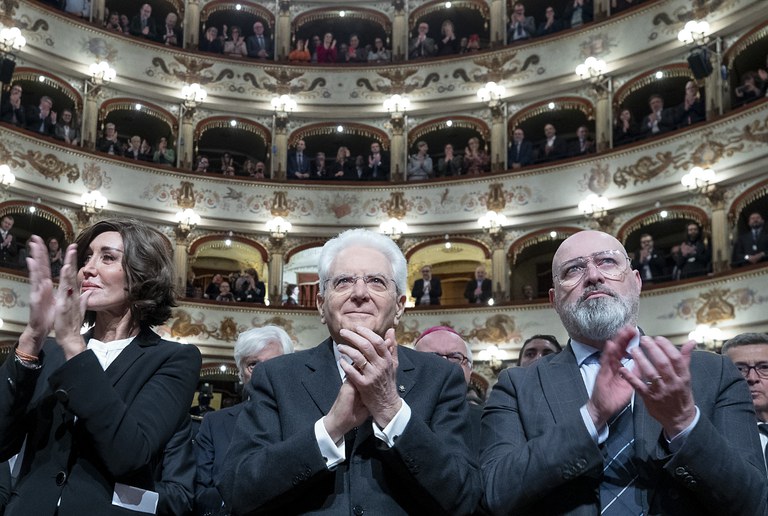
(50, 166)
(647, 167)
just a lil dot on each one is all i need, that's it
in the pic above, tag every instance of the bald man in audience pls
(536, 347)
(749, 352)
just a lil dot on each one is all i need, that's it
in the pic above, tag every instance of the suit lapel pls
(558, 380)
(131, 354)
(321, 377)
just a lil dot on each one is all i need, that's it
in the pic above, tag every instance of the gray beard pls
(599, 319)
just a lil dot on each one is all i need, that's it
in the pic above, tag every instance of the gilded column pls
(718, 98)
(498, 137)
(399, 31)
(280, 147)
(500, 272)
(186, 150)
(275, 272)
(283, 30)
(397, 150)
(181, 262)
(721, 249)
(90, 115)
(98, 11)
(191, 23)
(603, 121)
(498, 22)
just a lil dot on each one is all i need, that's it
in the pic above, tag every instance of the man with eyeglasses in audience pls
(427, 290)
(252, 347)
(357, 424)
(618, 423)
(749, 352)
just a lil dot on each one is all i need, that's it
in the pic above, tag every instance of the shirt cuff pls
(333, 454)
(598, 437)
(678, 441)
(396, 427)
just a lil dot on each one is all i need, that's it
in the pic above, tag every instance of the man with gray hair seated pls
(357, 424)
(252, 347)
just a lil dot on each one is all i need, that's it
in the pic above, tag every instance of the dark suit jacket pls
(274, 465)
(667, 122)
(744, 246)
(252, 44)
(37, 124)
(656, 262)
(487, 288)
(693, 265)
(292, 166)
(135, 28)
(538, 457)
(379, 172)
(211, 445)
(7, 111)
(435, 291)
(175, 475)
(125, 416)
(524, 156)
(559, 150)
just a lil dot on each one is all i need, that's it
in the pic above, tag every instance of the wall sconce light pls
(101, 73)
(699, 180)
(278, 228)
(93, 202)
(397, 105)
(494, 356)
(492, 222)
(283, 105)
(694, 33)
(394, 228)
(192, 95)
(187, 219)
(594, 206)
(11, 41)
(592, 70)
(708, 336)
(6, 176)
(491, 93)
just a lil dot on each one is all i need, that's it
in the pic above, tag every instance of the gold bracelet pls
(26, 356)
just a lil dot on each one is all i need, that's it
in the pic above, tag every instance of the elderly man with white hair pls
(357, 424)
(252, 347)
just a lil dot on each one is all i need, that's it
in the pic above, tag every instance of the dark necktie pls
(618, 494)
(261, 41)
(755, 235)
(299, 160)
(519, 30)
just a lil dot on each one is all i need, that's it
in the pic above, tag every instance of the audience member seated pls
(551, 148)
(420, 164)
(110, 143)
(319, 169)
(551, 24)
(326, 53)
(480, 289)
(235, 47)
(476, 160)
(659, 120)
(227, 163)
(298, 165)
(578, 12)
(450, 164)
(448, 44)
(692, 109)
(41, 118)
(163, 155)
(249, 289)
(751, 246)
(520, 27)
(312, 46)
(693, 257)
(259, 46)
(225, 294)
(649, 261)
(300, 54)
(353, 53)
(528, 293)
(113, 23)
(12, 111)
(520, 153)
(66, 129)
(54, 254)
(750, 88)
(342, 167)
(8, 247)
(427, 290)
(143, 25)
(211, 41)
(125, 23)
(473, 43)
(536, 347)
(134, 149)
(212, 290)
(463, 45)
(379, 54)
(171, 35)
(146, 151)
(378, 163)
(421, 45)
(201, 167)
(360, 172)
(291, 295)
(624, 130)
(583, 144)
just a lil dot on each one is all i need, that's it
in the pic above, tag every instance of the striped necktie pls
(618, 495)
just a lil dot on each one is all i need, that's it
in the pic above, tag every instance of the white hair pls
(254, 340)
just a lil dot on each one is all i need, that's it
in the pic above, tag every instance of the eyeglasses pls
(611, 264)
(455, 357)
(761, 369)
(343, 283)
(250, 365)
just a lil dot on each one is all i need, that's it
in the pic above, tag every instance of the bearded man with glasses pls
(618, 422)
(356, 424)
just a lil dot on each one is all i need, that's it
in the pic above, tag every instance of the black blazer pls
(292, 165)
(274, 465)
(538, 457)
(175, 475)
(524, 156)
(559, 150)
(125, 416)
(379, 172)
(435, 291)
(745, 245)
(487, 291)
(211, 445)
(39, 125)
(657, 264)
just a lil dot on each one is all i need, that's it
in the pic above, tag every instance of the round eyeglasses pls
(373, 282)
(612, 264)
(761, 369)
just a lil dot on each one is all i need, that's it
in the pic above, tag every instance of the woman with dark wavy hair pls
(89, 415)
